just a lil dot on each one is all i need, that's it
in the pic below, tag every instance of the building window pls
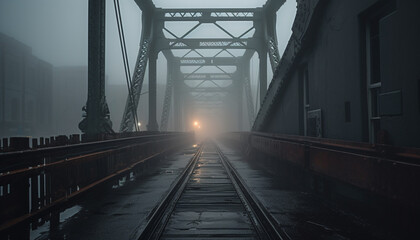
(372, 25)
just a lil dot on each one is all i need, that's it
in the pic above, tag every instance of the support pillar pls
(97, 119)
(152, 125)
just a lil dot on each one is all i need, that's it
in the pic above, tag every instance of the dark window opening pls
(375, 52)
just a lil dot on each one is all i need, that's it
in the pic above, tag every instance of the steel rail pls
(159, 218)
(263, 221)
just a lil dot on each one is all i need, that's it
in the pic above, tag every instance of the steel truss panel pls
(127, 122)
(210, 15)
(209, 61)
(263, 41)
(205, 43)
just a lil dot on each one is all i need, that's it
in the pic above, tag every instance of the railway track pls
(210, 200)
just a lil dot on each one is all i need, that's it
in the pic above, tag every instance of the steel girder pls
(127, 122)
(269, 22)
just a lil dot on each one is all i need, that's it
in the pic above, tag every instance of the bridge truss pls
(189, 83)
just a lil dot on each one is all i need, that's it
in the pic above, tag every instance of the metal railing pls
(45, 181)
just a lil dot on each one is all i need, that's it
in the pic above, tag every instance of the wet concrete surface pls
(209, 206)
(302, 215)
(120, 212)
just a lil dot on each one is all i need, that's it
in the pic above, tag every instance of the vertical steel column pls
(167, 101)
(262, 53)
(239, 96)
(178, 82)
(97, 113)
(248, 92)
(152, 125)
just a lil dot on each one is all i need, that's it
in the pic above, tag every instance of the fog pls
(56, 31)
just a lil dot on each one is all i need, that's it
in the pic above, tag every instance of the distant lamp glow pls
(195, 123)
(139, 124)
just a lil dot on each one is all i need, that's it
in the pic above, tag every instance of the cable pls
(125, 59)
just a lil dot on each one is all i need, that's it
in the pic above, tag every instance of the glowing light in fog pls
(195, 123)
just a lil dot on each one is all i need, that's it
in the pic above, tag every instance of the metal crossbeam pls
(210, 15)
(209, 61)
(201, 76)
(204, 43)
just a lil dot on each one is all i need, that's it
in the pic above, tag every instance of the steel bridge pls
(259, 184)
(185, 86)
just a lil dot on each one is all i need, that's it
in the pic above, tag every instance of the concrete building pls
(70, 95)
(350, 71)
(25, 91)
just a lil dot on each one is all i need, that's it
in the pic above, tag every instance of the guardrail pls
(49, 181)
(64, 148)
(388, 171)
